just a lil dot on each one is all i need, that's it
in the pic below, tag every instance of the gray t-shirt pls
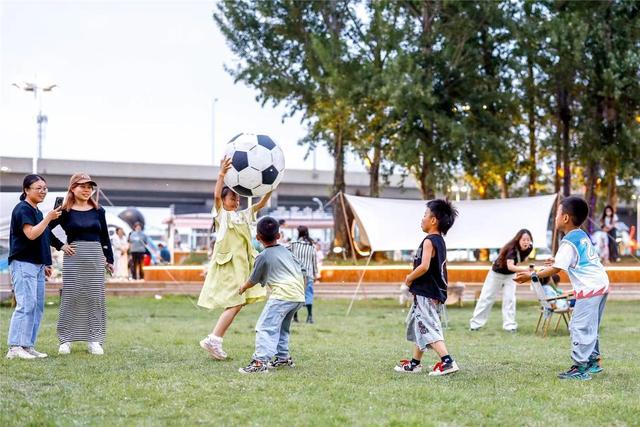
(277, 268)
(138, 241)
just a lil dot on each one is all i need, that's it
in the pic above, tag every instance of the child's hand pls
(549, 261)
(407, 281)
(522, 277)
(242, 289)
(225, 165)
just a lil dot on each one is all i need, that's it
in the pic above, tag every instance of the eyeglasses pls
(39, 189)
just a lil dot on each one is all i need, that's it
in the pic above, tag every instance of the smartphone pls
(58, 202)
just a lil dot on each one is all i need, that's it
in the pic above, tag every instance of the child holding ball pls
(231, 262)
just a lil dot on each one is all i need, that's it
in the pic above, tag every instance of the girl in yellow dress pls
(231, 262)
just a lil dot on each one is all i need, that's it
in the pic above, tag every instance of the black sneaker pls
(575, 373)
(405, 366)
(277, 363)
(310, 319)
(254, 367)
(594, 366)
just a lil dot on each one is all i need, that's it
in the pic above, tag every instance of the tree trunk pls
(564, 121)
(612, 189)
(531, 111)
(374, 171)
(504, 187)
(341, 238)
(557, 178)
(341, 227)
(591, 194)
(566, 159)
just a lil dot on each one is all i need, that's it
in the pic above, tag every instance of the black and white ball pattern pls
(257, 164)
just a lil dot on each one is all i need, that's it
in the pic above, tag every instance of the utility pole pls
(41, 119)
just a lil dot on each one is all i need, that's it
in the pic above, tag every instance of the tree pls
(295, 53)
(610, 70)
(375, 39)
(488, 106)
(561, 63)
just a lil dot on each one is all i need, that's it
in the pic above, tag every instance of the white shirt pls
(579, 258)
(226, 219)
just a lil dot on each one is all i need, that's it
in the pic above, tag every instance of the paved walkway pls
(619, 291)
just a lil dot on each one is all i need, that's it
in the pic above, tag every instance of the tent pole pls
(346, 224)
(333, 199)
(554, 235)
(364, 270)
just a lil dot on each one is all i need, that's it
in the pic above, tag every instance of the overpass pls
(188, 187)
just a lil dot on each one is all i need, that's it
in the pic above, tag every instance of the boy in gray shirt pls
(277, 268)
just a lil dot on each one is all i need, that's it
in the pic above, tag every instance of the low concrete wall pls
(379, 274)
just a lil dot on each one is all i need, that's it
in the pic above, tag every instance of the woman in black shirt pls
(501, 276)
(82, 304)
(29, 262)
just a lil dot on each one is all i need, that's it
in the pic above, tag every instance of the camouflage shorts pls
(423, 322)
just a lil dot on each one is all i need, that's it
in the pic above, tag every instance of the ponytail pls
(303, 234)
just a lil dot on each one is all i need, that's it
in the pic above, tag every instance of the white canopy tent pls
(392, 224)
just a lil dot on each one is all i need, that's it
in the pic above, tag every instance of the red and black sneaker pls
(441, 368)
(405, 366)
(278, 363)
(254, 367)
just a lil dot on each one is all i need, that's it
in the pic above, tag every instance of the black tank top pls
(432, 284)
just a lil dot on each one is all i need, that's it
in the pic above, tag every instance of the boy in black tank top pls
(428, 284)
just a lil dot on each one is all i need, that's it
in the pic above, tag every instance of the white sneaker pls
(32, 351)
(17, 352)
(214, 347)
(95, 348)
(65, 348)
(406, 367)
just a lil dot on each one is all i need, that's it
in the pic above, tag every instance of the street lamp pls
(456, 189)
(41, 119)
(466, 189)
(319, 202)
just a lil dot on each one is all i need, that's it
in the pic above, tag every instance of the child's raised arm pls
(263, 202)
(225, 165)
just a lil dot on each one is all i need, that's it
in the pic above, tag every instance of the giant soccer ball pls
(257, 164)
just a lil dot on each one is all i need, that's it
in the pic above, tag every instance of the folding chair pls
(548, 308)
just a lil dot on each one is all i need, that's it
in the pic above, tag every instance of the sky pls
(136, 82)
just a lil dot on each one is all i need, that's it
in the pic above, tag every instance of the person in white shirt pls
(120, 246)
(579, 258)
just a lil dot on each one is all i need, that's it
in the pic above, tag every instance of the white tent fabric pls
(393, 224)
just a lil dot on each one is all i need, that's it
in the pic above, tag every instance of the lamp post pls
(319, 202)
(456, 189)
(213, 131)
(41, 119)
(466, 189)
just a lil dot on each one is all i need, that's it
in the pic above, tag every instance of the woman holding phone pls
(82, 304)
(501, 276)
(29, 262)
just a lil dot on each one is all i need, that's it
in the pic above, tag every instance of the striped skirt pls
(83, 314)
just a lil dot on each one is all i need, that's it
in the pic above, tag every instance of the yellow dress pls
(231, 262)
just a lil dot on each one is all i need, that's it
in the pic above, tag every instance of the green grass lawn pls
(154, 372)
